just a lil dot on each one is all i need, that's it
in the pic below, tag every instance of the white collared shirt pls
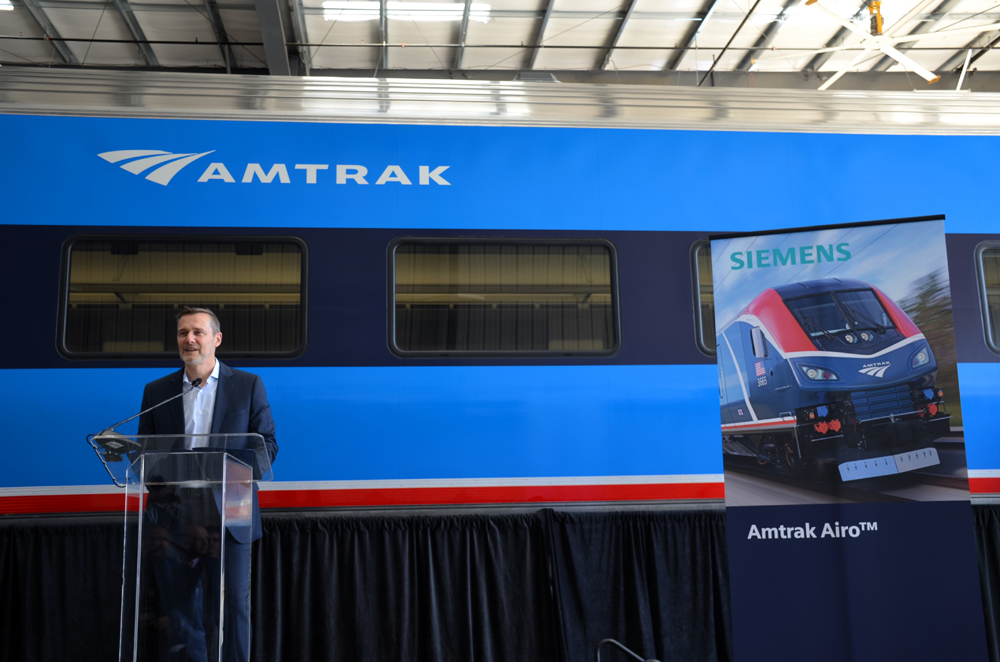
(199, 407)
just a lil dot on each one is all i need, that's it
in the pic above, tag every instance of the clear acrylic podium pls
(183, 495)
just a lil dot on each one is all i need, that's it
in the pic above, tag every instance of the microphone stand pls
(114, 444)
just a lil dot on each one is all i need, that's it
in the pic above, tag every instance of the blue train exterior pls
(834, 369)
(359, 425)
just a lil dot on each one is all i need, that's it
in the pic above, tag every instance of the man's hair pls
(188, 310)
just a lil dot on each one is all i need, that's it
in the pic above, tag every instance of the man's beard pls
(193, 361)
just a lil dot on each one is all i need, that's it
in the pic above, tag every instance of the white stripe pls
(68, 490)
(165, 173)
(774, 421)
(739, 374)
(754, 321)
(984, 473)
(136, 167)
(58, 490)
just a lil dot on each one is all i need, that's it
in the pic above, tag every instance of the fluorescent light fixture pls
(6, 6)
(367, 10)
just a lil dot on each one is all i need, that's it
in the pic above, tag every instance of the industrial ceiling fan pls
(885, 41)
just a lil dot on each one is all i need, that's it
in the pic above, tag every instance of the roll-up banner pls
(847, 499)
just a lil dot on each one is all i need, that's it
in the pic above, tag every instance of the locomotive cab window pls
(481, 297)
(121, 294)
(988, 263)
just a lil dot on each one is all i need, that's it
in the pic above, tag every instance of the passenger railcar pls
(391, 383)
(830, 368)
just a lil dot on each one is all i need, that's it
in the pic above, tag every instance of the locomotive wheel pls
(792, 460)
(768, 453)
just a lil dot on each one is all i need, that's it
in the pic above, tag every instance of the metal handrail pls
(621, 647)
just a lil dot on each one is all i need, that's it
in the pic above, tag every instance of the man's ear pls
(218, 339)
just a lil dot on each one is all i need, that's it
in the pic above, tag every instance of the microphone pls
(115, 443)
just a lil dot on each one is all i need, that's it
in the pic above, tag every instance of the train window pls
(988, 262)
(121, 294)
(518, 296)
(704, 296)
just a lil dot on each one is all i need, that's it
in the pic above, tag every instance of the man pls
(224, 401)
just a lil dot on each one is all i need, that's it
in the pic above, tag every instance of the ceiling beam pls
(604, 61)
(716, 60)
(128, 17)
(941, 13)
(38, 14)
(462, 30)
(215, 18)
(301, 34)
(540, 37)
(765, 39)
(691, 37)
(981, 43)
(836, 40)
(383, 34)
(496, 13)
(272, 30)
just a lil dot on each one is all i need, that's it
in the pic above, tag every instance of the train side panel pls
(350, 412)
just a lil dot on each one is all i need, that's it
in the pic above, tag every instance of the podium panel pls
(185, 496)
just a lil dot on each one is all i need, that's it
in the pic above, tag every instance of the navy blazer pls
(240, 406)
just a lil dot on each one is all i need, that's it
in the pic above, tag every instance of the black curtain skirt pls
(546, 585)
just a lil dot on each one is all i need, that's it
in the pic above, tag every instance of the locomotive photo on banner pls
(837, 375)
(847, 488)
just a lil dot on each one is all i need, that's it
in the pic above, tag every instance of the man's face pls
(196, 341)
(159, 542)
(214, 543)
(198, 541)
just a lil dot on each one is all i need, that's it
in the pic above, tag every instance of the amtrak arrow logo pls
(141, 160)
(877, 370)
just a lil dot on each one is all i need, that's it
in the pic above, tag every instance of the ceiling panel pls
(183, 26)
(579, 31)
(638, 60)
(656, 32)
(408, 31)
(499, 31)
(577, 35)
(566, 59)
(242, 27)
(518, 5)
(93, 24)
(422, 58)
(598, 6)
(495, 58)
(20, 22)
(321, 31)
(575, 32)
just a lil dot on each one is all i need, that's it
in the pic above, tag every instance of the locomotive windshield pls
(836, 312)
(865, 310)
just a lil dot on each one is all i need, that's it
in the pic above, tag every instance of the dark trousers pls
(236, 611)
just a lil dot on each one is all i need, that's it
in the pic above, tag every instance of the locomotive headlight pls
(818, 374)
(923, 357)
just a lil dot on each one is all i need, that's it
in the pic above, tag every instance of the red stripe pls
(499, 494)
(729, 427)
(62, 503)
(94, 503)
(899, 318)
(772, 312)
(404, 496)
(984, 485)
